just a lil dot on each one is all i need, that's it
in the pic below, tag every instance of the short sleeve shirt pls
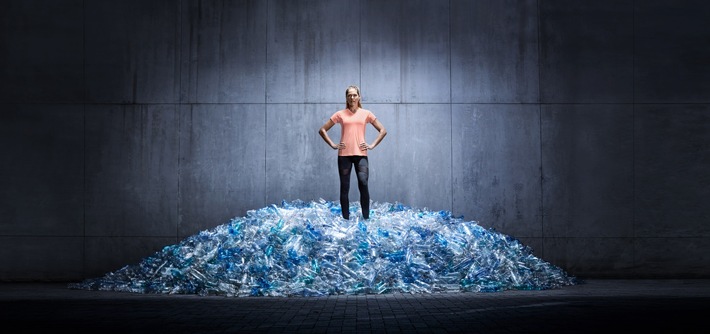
(353, 129)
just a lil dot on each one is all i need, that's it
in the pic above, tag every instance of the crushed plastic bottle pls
(303, 248)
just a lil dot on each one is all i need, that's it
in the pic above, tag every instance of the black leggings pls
(345, 164)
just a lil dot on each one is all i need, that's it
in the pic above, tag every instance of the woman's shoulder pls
(369, 113)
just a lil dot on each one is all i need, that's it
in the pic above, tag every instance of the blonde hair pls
(359, 104)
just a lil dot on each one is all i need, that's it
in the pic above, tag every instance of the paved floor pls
(594, 306)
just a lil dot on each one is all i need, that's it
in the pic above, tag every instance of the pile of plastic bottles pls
(303, 248)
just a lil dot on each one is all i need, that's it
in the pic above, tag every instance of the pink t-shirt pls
(353, 129)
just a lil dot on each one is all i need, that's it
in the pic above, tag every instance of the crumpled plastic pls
(301, 248)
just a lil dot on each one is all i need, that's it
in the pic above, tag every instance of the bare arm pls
(381, 135)
(324, 133)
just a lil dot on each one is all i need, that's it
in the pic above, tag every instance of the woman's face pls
(353, 97)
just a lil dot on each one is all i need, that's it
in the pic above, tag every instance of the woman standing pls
(352, 148)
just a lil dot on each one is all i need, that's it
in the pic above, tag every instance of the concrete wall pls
(579, 127)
